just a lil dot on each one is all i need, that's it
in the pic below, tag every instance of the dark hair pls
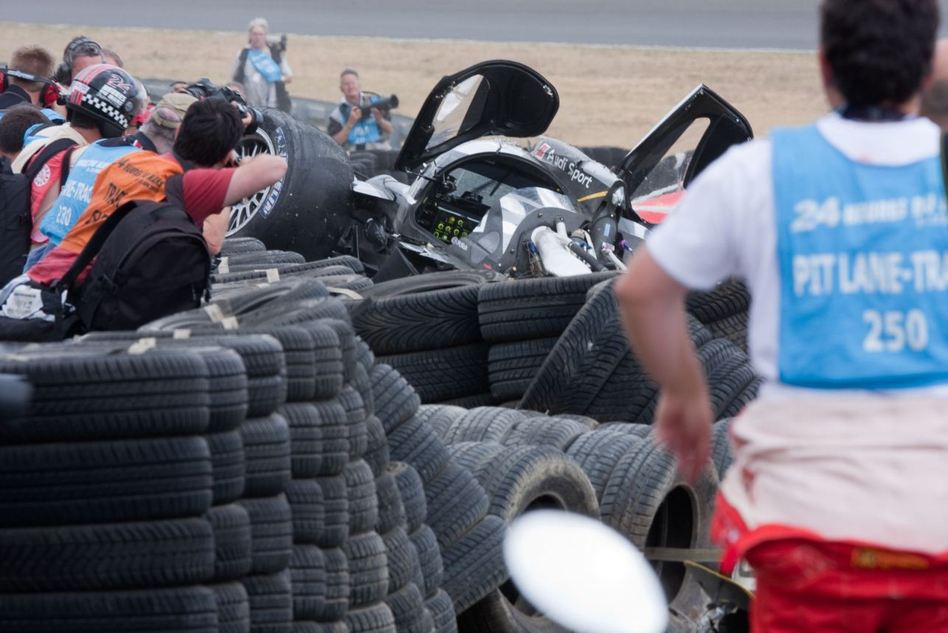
(83, 121)
(209, 131)
(879, 50)
(15, 122)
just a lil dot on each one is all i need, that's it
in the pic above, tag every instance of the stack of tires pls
(244, 261)
(592, 371)
(617, 471)
(456, 518)
(426, 328)
(106, 492)
(522, 321)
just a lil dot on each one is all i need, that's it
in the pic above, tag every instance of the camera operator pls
(262, 69)
(348, 126)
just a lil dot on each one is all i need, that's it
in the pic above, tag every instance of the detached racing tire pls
(306, 210)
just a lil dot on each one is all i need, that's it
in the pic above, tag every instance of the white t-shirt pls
(724, 226)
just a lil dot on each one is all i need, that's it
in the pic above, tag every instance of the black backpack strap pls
(42, 157)
(67, 166)
(944, 159)
(241, 62)
(95, 245)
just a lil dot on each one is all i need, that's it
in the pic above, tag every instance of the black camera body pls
(384, 104)
(277, 41)
(205, 89)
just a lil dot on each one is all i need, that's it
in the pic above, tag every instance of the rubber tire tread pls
(271, 533)
(414, 322)
(266, 455)
(233, 607)
(184, 610)
(271, 602)
(395, 399)
(429, 560)
(362, 495)
(368, 569)
(412, 492)
(598, 452)
(532, 308)
(338, 584)
(308, 581)
(319, 438)
(104, 482)
(415, 443)
(174, 552)
(456, 502)
(233, 543)
(512, 366)
(445, 373)
(474, 565)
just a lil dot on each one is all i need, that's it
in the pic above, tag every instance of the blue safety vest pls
(863, 258)
(53, 116)
(366, 130)
(77, 192)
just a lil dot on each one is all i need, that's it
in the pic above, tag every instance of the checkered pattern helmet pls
(106, 93)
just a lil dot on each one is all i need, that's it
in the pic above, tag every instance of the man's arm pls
(253, 175)
(385, 126)
(215, 229)
(652, 305)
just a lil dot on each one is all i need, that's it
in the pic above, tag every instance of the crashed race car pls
(486, 191)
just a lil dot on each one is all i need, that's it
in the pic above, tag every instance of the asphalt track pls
(756, 24)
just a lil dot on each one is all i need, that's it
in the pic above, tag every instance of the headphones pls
(78, 46)
(51, 94)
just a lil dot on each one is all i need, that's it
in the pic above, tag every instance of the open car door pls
(490, 98)
(690, 137)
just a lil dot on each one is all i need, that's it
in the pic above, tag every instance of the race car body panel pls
(690, 137)
(490, 98)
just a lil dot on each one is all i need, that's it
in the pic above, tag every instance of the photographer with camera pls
(262, 69)
(361, 120)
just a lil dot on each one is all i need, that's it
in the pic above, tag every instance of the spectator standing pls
(836, 496)
(348, 127)
(262, 70)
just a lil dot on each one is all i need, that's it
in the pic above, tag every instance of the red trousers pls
(839, 588)
(806, 584)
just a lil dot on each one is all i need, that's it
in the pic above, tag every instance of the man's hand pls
(683, 422)
(377, 115)
(354, 115)
(287, 79)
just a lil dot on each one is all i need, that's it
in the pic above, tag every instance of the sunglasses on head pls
(84, 48)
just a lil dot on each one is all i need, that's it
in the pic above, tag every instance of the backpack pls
(16, 220)
(151, 260)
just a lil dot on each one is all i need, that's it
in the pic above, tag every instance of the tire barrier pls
(256, 466)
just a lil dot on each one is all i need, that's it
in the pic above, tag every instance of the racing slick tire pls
(306, 210)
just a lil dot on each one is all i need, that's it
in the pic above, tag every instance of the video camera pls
(204, 89)
(385, 104)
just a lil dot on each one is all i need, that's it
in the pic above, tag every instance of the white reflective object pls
(583, 574)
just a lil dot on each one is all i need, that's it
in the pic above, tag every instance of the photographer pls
(347, 124)
(262, 69)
